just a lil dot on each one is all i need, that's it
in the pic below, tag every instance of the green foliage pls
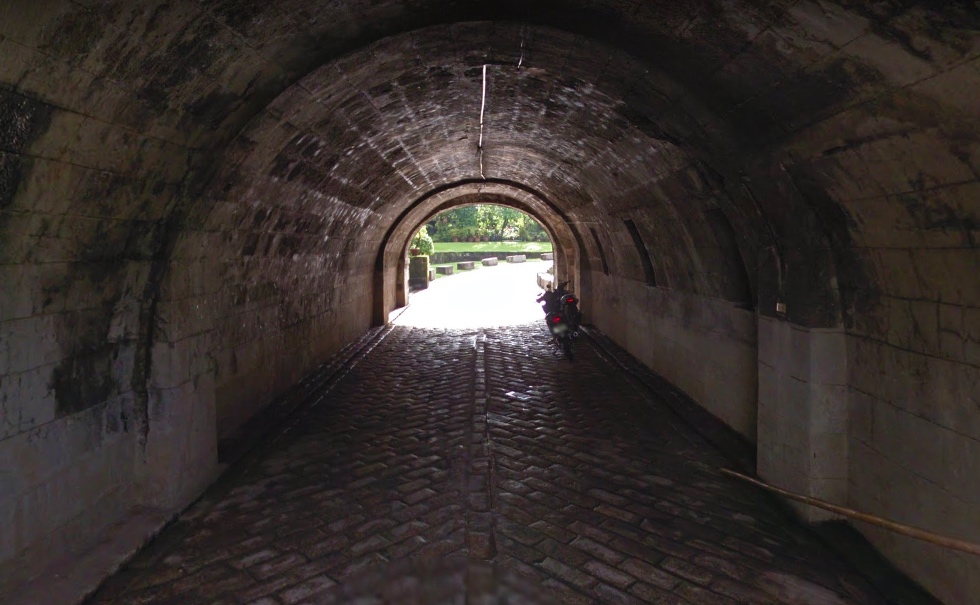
(490, 221)
(423, 242)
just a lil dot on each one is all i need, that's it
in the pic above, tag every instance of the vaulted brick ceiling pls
(331, 117)
(149, 147)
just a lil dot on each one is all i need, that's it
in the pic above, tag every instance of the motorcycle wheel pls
(567, 346)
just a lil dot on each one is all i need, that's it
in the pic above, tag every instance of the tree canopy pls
(485, 221)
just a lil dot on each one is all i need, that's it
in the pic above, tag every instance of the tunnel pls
(771, 205)
(391, 269)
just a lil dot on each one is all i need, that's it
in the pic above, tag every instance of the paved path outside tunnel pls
(490, 296)
(473, 466)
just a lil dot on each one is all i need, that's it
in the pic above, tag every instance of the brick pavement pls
(453, 466)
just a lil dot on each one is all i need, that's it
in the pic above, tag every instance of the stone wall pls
(707, 347)
(803, 411)
(906, 194)
(75, 255)
(453, 257)
(914, 439)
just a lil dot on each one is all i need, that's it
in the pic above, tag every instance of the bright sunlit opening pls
(466, 288)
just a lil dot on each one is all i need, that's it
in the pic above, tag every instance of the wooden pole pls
(914, 532)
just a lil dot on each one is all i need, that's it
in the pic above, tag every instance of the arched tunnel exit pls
(768, 208)
(391, 275)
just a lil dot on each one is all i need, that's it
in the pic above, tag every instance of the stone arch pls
(390, 290)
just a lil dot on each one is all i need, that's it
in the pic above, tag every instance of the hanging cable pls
(521, 60)
(483, 106)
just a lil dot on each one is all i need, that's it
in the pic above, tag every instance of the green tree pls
(531, 231)
(489, 220)
(460, 222)
(497, 221)
(423, 242)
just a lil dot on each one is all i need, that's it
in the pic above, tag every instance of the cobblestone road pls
(475, 467)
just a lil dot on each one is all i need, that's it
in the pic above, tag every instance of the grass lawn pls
(493, 247)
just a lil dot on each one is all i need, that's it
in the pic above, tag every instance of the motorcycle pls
(562, 316)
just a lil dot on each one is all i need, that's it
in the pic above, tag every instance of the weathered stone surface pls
(465, 266)
(199, 202)
(708, 348)
(516, 258)
(490, 262)
(445, 270)
(419, 272)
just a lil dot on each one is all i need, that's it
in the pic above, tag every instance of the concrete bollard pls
(548, 256)
(465, 265)
(489, 262)
(517, 258)
(447, 270)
